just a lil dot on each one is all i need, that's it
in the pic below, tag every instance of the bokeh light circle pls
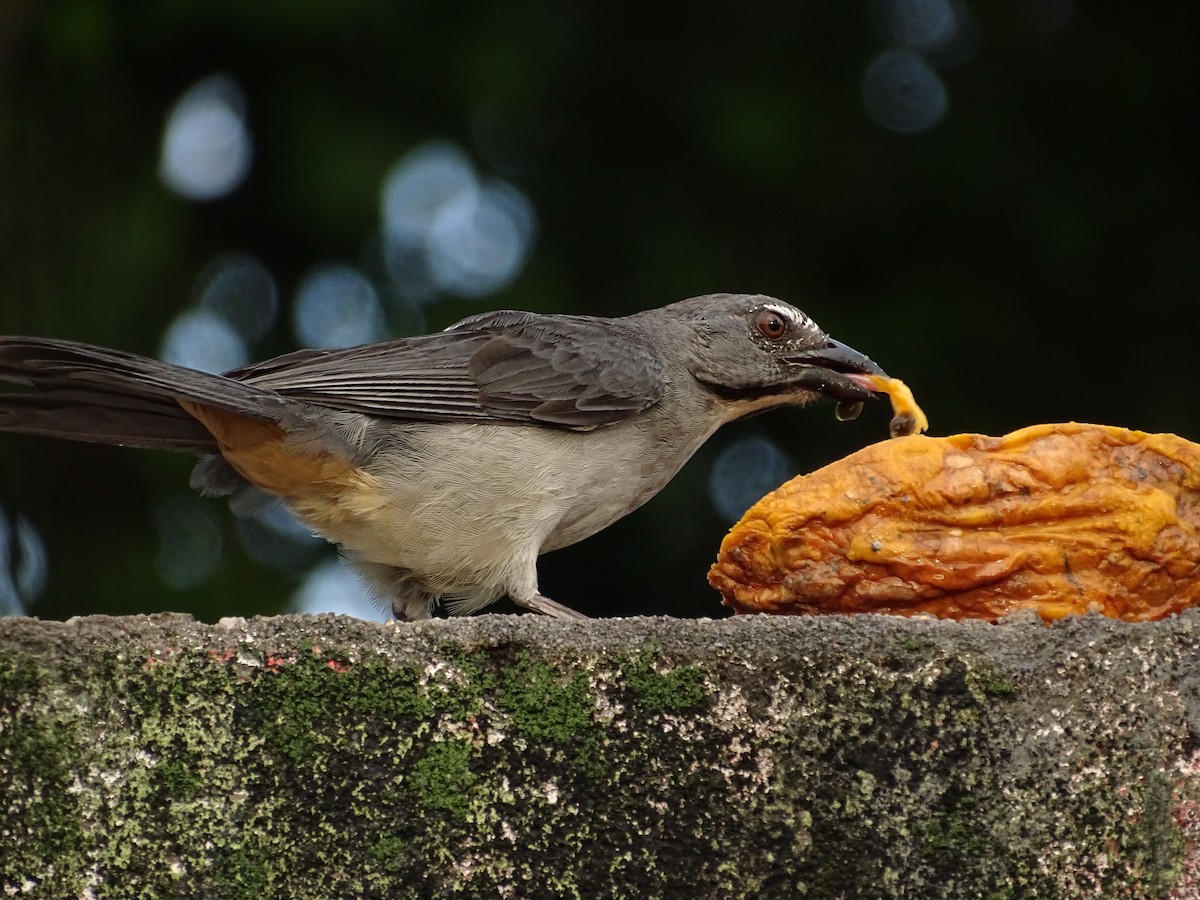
(903, 93)
(743, 472)
(337, 306)
(202, 339)
(206, 145)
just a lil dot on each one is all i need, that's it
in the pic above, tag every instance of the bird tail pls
(83, 392)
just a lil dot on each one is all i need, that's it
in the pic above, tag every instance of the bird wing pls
(575, 372)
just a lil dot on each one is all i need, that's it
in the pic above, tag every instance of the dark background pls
(1034, 256)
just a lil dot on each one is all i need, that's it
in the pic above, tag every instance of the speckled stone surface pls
(522, 757)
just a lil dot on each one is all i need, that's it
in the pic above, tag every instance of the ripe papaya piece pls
(1060, 518)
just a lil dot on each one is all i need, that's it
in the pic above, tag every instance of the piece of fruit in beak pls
(907, 417)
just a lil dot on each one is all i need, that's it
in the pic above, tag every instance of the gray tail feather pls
(87, 393)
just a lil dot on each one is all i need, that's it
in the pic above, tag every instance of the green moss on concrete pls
(998, 687)
(247, 872)
(952, 831)
(40, 824)
(388, 851)
(543, 704)
(471, 675)
(678, 689)
(443, 779)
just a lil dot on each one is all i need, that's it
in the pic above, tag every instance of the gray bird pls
(445, 464)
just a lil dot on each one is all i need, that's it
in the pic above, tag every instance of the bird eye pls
(770, 324)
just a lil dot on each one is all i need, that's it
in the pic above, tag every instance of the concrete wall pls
(521, 757)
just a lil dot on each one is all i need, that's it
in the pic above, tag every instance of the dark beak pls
(829, 370)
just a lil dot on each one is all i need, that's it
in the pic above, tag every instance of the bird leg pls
(547, 607)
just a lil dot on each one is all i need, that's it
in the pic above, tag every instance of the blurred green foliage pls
(1035, 257)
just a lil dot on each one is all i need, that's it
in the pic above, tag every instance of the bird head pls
(754, 352)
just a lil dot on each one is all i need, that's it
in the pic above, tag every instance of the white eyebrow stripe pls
(797, 318)
(784, 312)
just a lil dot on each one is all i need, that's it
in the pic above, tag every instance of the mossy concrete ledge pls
(521, 757)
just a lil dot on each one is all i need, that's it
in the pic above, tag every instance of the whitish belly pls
(463, 505)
